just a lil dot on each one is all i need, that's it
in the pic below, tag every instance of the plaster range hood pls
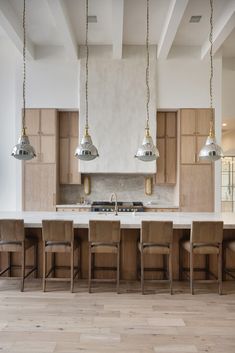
(117, 108)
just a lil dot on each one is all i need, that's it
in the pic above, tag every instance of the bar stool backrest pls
(156, 232)
(12, 230)
(104, 231)
(57, 230)
(205, 232)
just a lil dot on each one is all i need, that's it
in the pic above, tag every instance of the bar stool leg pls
(207, 266)
(44, 261)
(22, 267)
(89, 269)
(224, 262)
(142, 269)
(180, 262)
(9, 263)
(170, 271)
(72, 267)
(220, 269)
(36, 260)
(118, 267)
(191, 270)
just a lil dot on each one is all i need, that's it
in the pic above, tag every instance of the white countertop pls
(74, 205)
(181, 220)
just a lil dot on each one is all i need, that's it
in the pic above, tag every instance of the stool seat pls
(103, 248)
(202, 249)
(16, 246)
(60, 246)
(154, 249)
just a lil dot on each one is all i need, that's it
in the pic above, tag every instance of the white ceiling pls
(43, 27)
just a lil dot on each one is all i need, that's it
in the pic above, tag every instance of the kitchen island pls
(130, 225)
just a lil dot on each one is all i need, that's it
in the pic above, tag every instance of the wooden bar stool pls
(156, 238)
(205, 239)
(104, 238)
(12, 239)
(228, 245)
(58, 237)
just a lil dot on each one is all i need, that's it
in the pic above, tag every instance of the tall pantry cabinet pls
(40, 173)
(196, 177)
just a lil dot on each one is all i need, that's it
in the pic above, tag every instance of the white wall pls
(8, 62)
(228, 143)
(228, 84)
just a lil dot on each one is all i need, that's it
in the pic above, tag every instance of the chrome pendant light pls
(147, 152)
(86, 151)
(211, 152)
(23, 150)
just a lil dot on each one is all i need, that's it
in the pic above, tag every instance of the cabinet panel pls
(48, 149)
(160, 176)
(48, 121)
(171, 124)
(203, 121)
(64, 160)
(74, 124)
(39, 187)
(188, 149)
(196, 188)
(160, 124)
(75, 176)
(171, 153)
(64, 125)
(32, 119)
(188, 121)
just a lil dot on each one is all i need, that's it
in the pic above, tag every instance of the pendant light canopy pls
(23, 150)
(86, 151)
(211, 152)
(147, 152)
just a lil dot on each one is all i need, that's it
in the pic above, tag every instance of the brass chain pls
(211, 67)
(24, 67)
(147, 69)
(87, 56)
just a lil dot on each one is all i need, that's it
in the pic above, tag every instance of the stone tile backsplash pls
(127, 188)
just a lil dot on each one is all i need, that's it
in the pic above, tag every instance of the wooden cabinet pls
(68, 141)
(196, 177)
(167, 146)
(194, 127)
(40, 173)
(41, 129)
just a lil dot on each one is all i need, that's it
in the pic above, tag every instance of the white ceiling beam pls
(173, 19)
(222, 28)
(14, 28)
(60, 14)
(117, 27)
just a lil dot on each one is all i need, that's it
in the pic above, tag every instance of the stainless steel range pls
(106, 206)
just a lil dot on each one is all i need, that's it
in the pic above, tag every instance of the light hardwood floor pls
(60, 322)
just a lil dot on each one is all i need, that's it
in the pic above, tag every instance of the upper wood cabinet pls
(194, 128)
(68, 141)
(167, 146)
(42, 129)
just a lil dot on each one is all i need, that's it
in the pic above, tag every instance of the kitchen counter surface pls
(74, 205)
(181, 220)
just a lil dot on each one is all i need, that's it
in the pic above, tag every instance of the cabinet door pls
(73, 124)
(188, 121)
(48, 149)
(160, 124)
(171, 153)
(196, 188)
(188, 149)
(171, 124)
(75, 176)
(64, 161)
(32, 120)
(39, 187)
(48, 121)
(160, 176)
(203, 121)
(64, 127)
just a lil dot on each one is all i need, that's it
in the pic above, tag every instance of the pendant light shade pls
(86, 151)
(23, 150)
(147, 152)
(211, 152)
